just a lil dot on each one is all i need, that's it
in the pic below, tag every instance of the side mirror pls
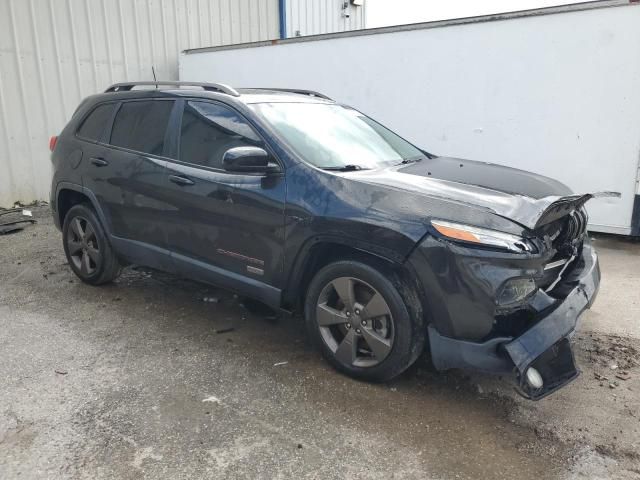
(248, 160)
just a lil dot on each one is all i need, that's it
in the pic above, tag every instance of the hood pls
(526, 198)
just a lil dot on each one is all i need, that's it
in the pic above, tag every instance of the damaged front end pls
(526, 331)
(569, 286)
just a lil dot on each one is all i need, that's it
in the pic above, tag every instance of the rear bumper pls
(545, 346)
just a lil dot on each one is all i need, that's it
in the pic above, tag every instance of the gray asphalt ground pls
(144, 379)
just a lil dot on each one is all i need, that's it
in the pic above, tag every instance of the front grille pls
(571, 232)
(567, 235)
(576, 226)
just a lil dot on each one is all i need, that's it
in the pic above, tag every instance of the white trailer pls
(555, 91)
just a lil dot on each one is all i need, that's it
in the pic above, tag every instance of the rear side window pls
(208, 130)
(141, 126)
(94, 125)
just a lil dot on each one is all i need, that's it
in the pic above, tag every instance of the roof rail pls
(310, 93)
(211, 87)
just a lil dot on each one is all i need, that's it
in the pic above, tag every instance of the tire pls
(385, 344)
(87, 247)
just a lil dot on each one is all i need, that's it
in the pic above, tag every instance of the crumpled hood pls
(526, 198)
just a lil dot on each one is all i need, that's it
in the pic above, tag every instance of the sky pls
(382, 13)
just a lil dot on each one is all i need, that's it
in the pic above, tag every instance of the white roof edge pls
(574, 7)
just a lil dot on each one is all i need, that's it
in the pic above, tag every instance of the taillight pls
(52, 142)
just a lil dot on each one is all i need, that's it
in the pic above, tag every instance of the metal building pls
(313, 17)
(53, 53)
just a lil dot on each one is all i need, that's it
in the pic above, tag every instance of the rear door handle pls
(99, 162)
(180, 180)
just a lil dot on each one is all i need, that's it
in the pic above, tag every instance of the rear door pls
(97, 168)
(224, 228)
(127, 176)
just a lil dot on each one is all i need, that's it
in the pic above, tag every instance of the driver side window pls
(208, 130)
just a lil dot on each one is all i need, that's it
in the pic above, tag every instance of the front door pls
(224, 228)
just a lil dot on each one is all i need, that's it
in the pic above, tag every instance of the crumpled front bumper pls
(545, 346)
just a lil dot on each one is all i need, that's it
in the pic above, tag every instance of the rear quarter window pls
(94, 125)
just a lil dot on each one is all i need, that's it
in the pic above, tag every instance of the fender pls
(297, 268)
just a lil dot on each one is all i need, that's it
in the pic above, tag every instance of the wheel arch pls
(318, 252)
(70, 194)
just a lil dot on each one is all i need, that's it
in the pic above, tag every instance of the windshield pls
(334, 137)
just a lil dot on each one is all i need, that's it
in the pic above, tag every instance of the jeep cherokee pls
(307, 205)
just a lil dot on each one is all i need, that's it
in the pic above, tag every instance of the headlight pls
(515, 291)
(482, 236)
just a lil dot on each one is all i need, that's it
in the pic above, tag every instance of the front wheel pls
(360, 321)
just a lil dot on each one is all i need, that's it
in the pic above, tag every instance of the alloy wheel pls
(83, 247)
(355, 322)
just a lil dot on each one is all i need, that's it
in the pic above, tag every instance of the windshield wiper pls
(344, 168)
(410, 160)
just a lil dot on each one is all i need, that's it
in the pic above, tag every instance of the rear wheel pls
(358, 318)
(87, 248)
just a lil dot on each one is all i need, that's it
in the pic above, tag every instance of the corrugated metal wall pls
(55, 52)
(312, 17)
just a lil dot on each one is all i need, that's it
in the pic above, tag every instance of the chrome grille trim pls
(555, 264)
(576, 225)
(559, 277)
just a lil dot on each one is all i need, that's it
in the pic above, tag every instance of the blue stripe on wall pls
(282, 7)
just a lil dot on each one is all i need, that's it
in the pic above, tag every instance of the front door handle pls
(180, 180)
(99, 162)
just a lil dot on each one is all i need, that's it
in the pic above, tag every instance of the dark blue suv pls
(304, 204)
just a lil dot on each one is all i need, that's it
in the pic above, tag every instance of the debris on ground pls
(15, 220)
(211, 399)
(210, 299)
(35, 203)
(279, 364)
(11, 227)
(225, 330)
(9, 211)
(610, 351)
(623, 375)
(61, 372)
